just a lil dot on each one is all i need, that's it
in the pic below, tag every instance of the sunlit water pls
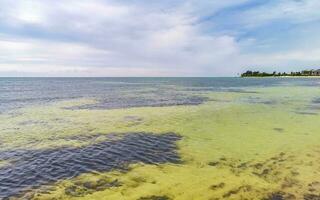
(160, 138)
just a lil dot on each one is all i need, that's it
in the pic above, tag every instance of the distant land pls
(277, 74)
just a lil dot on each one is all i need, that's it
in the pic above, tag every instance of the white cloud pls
(111, 38)
(28, 53)
(115, 36)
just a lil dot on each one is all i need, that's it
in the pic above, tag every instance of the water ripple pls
(32, 168)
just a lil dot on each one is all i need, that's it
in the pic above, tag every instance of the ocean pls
(159, 138)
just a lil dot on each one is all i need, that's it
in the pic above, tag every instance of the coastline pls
(279, 76)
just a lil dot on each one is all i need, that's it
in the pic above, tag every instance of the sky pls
(157, 37)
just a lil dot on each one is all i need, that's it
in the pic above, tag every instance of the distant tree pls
(250, 73)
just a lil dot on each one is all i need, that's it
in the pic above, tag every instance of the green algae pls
(231, 147)
(4, 163)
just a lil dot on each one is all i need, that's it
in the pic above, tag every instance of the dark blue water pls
(32, 168)
(125, 92)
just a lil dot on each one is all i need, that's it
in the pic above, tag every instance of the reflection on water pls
(38, 167)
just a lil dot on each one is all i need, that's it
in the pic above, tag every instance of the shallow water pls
(124, 92)
(35, 167)
(107, 138)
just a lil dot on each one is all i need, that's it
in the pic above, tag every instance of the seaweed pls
(244, 188)
(37, 167)
(305, 113)
(155, 100)
(80, 189)
(153, 197)
(275, 196)
(278, 129)
(311, 197)
(217, 186)
(280, 196)
(214, 163)
(289, 182)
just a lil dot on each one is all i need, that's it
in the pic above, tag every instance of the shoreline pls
(280, 77)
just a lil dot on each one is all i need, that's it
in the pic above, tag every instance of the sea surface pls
(159, 138)
(125, 92)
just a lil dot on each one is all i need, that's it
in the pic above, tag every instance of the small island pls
(281, 74)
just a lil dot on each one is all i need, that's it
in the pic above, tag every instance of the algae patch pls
(239, 146)
(160, 98)
(32, 168)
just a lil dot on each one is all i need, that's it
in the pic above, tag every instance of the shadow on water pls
(33, 168)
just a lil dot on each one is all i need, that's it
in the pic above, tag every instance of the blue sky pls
(157, 38)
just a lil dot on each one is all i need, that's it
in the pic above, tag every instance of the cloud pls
(141, 38)
(284, 11)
